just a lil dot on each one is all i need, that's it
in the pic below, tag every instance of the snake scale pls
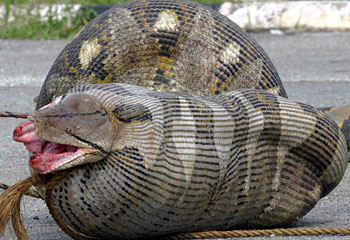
(162, 117)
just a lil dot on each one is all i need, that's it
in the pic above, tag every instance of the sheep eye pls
(68, 131)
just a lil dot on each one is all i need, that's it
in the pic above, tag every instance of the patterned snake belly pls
(184, 150)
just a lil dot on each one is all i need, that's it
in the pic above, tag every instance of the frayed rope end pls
(10, 201)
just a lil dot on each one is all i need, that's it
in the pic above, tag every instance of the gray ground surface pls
(314, 68)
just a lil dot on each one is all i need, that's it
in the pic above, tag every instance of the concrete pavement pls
(314, 68)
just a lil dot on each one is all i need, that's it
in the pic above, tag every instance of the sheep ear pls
(130, 112)
(125, 116)
(341, 115)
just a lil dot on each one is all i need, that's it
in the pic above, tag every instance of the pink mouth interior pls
(45, 156)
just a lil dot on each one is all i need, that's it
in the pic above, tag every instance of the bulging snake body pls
(187, 149)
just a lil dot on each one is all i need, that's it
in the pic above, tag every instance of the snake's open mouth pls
(46, 156)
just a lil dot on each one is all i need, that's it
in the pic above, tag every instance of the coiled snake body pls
(165, 156)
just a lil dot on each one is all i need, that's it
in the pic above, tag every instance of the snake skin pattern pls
(165, 46)
(184, 163)
(192, 153)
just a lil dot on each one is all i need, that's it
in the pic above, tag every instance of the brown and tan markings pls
(176, 146)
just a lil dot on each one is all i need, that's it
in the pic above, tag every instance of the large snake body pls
(135, 162)
(164, 46)
(182, 163)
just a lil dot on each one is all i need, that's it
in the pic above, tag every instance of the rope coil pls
(261, 233)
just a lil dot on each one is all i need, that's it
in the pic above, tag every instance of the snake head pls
(78, 119)
(72, 130)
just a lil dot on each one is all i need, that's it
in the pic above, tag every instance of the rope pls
(10, 202)
(30, 192)
(14, 114)
(265, 232)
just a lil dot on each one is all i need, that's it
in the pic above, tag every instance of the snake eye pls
(68, 131)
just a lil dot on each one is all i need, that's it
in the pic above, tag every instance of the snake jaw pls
(78, 119)
(49, 162)
(67, 132)
(47, 157)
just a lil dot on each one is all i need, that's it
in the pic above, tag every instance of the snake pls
(163, 116)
